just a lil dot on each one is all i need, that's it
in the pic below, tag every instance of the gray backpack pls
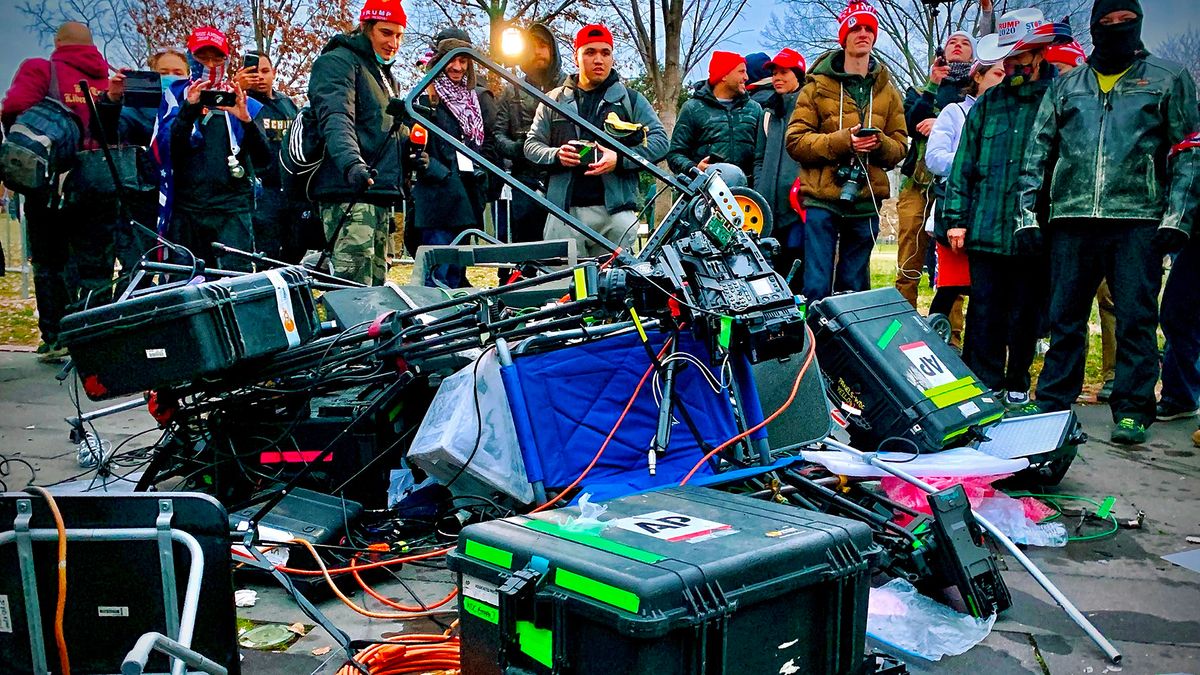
(41, 146)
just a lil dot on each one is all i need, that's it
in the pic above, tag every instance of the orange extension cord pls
(60, 608)
(414, 653)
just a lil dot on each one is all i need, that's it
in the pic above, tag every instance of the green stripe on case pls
(482, 610)
(488, 554)
(598, 590)
(594, 541)
(886, 339)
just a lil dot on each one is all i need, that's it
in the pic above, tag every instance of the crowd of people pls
(1046, 176)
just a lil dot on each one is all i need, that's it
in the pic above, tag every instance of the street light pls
(512, 46)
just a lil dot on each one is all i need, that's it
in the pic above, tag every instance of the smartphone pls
(216, 98)
(250, 60)
(583, 148)
(143, 89)
(867, 131)
(941, 58)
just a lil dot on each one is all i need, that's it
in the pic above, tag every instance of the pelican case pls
(188, 333)
(684, 581)
(893, 377)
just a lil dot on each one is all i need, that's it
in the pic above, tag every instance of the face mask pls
(1020, 75)
(384, 62)
(167, 80)
(1116, 46)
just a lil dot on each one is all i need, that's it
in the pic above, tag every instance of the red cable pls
(791, 397)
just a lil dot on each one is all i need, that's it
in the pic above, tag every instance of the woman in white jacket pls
(953, 275)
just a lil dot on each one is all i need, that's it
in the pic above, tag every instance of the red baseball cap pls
(207, 36)
(593, 33)
(787, 58)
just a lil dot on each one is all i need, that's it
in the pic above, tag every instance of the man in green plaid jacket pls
(1008, 288)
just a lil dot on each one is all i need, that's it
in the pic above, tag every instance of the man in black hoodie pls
(275, 218)
(359, 181)
(514, 116)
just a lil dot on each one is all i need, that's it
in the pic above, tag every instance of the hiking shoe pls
(1105, 392)
(1129, 432)
(1031, 408)
(1016, 399)
(1167, 412)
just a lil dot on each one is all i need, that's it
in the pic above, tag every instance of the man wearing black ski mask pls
(1102, 142)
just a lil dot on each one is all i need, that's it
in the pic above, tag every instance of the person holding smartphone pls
(276, 219)
(594, 183)
(846, 131)
(209, 148)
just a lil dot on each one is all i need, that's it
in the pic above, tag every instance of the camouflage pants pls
(359, 254)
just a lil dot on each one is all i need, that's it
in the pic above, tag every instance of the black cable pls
(5, 472)
(916, 449)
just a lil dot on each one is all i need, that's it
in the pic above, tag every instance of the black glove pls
(1168, 240)
(1029, 240)
(359, 175)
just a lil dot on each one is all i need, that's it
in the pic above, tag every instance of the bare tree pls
(910, 30)
(1184, 49)
(109, 21)
(671, 37)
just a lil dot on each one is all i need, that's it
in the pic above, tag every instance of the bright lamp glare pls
(512, 42)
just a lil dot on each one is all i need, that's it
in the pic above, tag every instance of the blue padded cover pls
(570, 398)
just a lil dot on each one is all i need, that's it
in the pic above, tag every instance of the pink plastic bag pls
(977, 488)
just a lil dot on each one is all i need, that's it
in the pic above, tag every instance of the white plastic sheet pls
(947, 463)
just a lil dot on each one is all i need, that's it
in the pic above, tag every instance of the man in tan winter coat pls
(847, 130)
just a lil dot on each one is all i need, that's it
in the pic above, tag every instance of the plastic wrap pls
(449, 437)
(902, 618)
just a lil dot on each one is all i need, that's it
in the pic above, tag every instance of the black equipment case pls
(681, 581)
(177, 336)
(894, 377)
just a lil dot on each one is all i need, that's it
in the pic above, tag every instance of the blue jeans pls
(1181, 326)
(450, 276)
(828, 236)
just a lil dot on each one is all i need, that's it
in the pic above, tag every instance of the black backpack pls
(42, 145)
(301, 154)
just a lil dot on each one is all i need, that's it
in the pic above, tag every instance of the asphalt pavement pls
(1147, 606)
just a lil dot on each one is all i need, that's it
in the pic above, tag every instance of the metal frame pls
(180, 625)
(620, 148)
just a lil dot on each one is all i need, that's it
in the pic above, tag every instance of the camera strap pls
(234, 146)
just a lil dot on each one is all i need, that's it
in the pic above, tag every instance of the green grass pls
(18, 322)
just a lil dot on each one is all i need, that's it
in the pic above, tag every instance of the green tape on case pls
(597, 590)
(488, 554)
(888, 335)
(482, 610)
(726, 334)
(536, 643)
(594, 541)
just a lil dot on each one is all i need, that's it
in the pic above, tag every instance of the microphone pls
(418, 139)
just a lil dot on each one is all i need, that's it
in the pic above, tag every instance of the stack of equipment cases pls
(681, 581)
(894, 378)
(185, 334)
